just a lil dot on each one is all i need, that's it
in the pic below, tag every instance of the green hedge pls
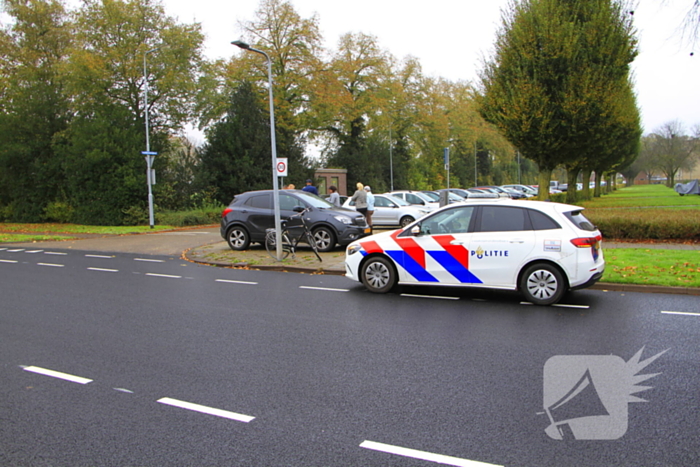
(202, 216)
(649, 224)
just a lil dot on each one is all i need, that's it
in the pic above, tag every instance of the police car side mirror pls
(415, 230)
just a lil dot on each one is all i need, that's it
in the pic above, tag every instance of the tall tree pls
(346, 97)
(34, 106)
(673, 150)
(554, 66)
(238, 148)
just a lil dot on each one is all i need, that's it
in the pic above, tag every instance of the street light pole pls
(275, 184)
(149, 155)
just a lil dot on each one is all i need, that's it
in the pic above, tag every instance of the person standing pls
(360, 199)
(310, 188)
(334, 197)
(370, 206)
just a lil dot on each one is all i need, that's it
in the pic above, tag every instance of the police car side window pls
(503, 219)
(541, 221)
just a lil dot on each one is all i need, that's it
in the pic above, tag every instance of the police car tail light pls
(584, 242)
(226, 211)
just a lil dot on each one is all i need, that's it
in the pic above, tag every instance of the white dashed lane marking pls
(146, 260)
(57, 253)
(152, 274)
(426, 456)
(7, 261)
(53, 265)
(103, 270)
(684, 313)
(57, 374)
(227, 281)
(206, 410)
(99, 256)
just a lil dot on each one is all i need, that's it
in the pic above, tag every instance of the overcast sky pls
(450, 37)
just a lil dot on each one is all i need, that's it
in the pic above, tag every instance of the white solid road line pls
(206, 410)
(680, 313)
(426, 456)
(227, 281)
(327, 289)
(57, 374)
(103, 270)
(429, 296)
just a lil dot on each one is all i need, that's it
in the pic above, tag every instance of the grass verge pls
(674, 268)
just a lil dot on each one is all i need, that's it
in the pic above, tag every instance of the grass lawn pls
(643, 196)
(49, 228)
(676, 268)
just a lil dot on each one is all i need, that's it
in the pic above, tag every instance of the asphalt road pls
(311, 370)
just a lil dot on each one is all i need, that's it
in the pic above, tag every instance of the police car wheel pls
(378, 275)
(542, 284)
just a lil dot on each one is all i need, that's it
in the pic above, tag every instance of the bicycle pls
(290, 241)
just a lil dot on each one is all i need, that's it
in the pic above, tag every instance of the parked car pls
(435, 196)
(495, 189)
(540, 249)
(416, 198)
(343, 198)
(392, 211)
(527, 190)
(248, 216)
(472, 193)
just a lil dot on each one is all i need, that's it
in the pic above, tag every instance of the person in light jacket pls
(370, 205)
(334, 197)
(360, 199)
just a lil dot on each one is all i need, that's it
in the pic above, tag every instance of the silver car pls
(392, 211)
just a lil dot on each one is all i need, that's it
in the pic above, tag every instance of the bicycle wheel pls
(312, 243)
(271, 245)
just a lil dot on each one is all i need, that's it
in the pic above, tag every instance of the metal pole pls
(275, 183)
(475, 180)
(149, 157)
(391, 161)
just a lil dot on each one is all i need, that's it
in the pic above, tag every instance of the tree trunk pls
(586, 183)
(571, 193)
(543, 180)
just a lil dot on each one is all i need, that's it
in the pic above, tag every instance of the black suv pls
(250, 214)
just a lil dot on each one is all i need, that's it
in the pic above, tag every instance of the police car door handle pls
(457, 242)
(517, 240)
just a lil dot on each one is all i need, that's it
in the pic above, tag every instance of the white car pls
(539, 248)
(417, 198)
(391, 211)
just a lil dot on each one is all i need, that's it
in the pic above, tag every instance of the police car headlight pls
(352, 249)
(343, 219)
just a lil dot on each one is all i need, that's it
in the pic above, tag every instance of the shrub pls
(651, 224)
(135, 215)
(58, 211)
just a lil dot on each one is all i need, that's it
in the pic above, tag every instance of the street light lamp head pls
(241, 44)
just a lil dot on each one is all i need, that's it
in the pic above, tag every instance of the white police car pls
(539, 248)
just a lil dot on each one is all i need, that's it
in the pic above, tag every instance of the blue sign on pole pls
(149, 153)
